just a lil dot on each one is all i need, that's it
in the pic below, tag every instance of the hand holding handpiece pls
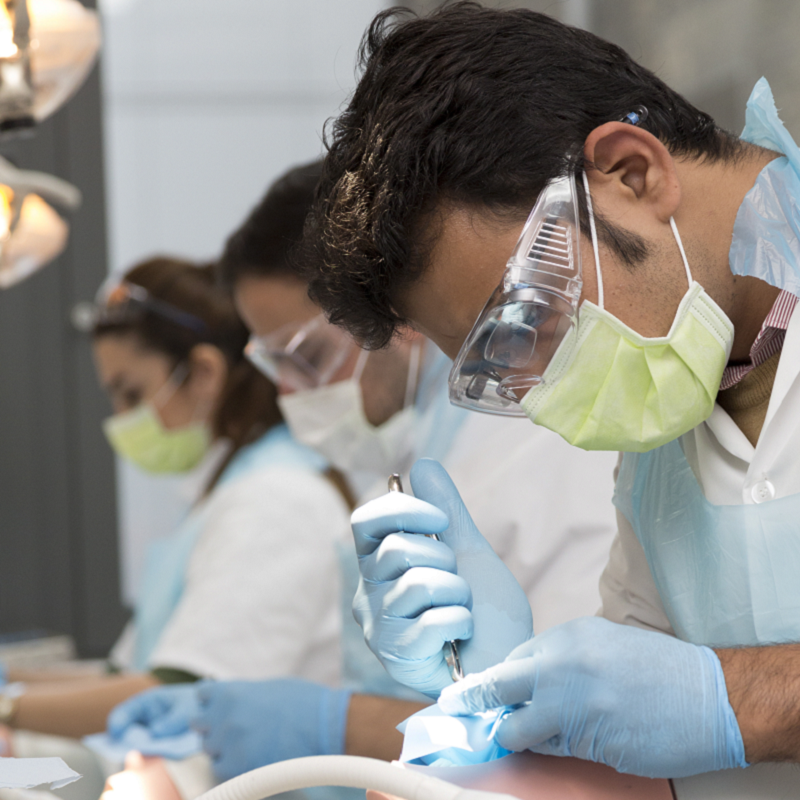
(416, 594)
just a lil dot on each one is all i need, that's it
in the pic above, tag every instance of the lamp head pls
(47, 48)
(32, 232)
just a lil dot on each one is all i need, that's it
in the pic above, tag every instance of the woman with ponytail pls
(219, 598)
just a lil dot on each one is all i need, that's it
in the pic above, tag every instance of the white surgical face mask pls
(331, 419)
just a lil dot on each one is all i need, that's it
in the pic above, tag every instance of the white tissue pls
(27, 773)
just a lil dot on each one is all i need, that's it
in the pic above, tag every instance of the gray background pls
(712, 51)
(58, 543)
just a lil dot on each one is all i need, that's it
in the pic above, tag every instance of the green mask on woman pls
(139, 436)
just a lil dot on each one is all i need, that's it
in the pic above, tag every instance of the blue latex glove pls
(247, 724)
(164, 711)
(641, 702)
(416, 593)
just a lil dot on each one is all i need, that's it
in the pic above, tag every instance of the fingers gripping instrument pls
(451, 655)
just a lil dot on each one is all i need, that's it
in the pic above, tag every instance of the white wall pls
(206, 102)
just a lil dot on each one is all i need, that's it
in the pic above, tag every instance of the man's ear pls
(632, 167)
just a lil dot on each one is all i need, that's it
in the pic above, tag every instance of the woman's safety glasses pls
(121, 302)
(529, 314)
(301, 355)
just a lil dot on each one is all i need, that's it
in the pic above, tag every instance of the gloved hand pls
(415, 593)
(164, 711)
(641, 702)
(249, 724)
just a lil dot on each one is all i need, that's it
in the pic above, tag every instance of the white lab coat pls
(252, 604)
(731, 472)
(255, 606)
(543, 505)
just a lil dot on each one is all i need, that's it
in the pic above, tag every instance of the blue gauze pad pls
(433, 737)
(138, 737)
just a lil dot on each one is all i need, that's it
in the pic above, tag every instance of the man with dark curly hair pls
(646, 307)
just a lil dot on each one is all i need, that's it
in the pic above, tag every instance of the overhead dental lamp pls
(47, 48)
(32, 233)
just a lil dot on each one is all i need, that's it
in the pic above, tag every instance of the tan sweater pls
(747, 402)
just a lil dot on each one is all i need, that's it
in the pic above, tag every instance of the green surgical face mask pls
(609, 388)
(140, 436)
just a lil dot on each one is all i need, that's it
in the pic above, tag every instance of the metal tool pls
(451, 655)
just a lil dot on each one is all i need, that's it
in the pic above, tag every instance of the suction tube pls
(352, 771)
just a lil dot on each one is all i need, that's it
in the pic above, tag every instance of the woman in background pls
(216, 599)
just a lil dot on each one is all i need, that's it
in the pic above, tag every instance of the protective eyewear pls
(301, 355)
(529, 314)
(122, 302)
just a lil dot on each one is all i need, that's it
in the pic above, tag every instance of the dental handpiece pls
(451, 655)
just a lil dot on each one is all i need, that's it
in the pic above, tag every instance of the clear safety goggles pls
(301, 355)
(529, 313)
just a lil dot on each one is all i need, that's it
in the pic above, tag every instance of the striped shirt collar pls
(768, 342)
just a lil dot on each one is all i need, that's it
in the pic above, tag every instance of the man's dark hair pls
(263, 245)
(476, 107)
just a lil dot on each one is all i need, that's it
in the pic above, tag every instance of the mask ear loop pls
(413, 374)
(680, 247)
(171, 385)
(593, 229)
(361, 362)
